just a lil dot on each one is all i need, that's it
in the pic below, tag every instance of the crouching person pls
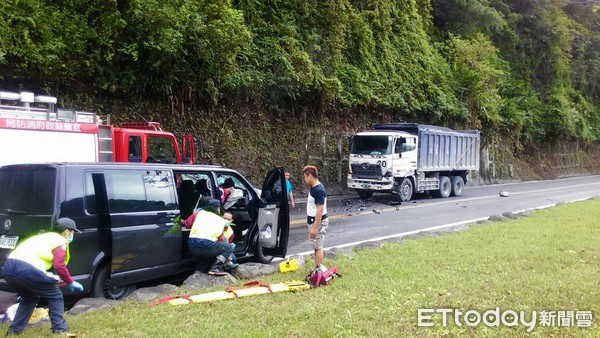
(209, 238)
(26, 268)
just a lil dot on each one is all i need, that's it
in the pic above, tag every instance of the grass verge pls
(549, 261)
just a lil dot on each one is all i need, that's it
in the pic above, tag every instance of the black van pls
(129, 217)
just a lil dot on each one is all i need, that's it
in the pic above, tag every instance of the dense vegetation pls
(528, 69)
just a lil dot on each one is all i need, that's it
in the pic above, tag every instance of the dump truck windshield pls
(371, 145)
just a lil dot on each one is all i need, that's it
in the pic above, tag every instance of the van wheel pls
(445, 187)
(458, 184)
(406, 190)
(101, 286)
(365, 194)
(261, 257)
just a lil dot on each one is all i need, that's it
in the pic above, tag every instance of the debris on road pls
(357, 205)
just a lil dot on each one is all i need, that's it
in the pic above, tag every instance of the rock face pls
(510, 215)
(201, 280)
(144, 295)
(525, 213)
(496, 218)
(89, 304)
(394, 240)
(253, 270)
(335, 253)
(368, 245)
(453, 229)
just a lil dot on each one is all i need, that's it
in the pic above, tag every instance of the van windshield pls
(371, 145)
(27, 190)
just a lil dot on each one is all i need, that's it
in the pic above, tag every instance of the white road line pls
(438, 227)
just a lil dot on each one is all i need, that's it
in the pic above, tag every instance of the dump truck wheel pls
(445, 187)
(458, 185)
(406, 190)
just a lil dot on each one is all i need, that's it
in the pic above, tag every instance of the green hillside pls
(270, 77)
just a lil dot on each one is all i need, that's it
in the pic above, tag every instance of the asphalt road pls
(353, 220)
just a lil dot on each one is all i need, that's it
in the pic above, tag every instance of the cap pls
(228, 183)
(66, 223)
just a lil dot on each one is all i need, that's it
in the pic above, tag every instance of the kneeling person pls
(210, 236)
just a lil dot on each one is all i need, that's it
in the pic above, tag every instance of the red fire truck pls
(33, 129)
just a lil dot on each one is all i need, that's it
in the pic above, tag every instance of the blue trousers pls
(208, 249)
(32, 284)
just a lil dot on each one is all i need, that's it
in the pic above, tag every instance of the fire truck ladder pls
(105, 143)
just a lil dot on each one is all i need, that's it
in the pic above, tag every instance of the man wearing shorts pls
(316, 212)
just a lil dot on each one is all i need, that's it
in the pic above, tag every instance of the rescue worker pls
(26, 268)
(211, 237)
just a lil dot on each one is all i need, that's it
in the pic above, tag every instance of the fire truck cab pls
(33, 129)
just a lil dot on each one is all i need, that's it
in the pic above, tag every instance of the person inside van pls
(229, 195)
(210, 237)
(226, 188)
(26, 268)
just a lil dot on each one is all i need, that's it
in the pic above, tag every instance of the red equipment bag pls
(321, 276)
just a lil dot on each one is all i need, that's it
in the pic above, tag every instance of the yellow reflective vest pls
(37, 250)
(208, 225)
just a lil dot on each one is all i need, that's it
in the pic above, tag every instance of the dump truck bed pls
(440, 148)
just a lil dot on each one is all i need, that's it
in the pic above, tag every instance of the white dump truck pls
(407, 158)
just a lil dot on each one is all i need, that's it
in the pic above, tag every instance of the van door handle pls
(169, 215)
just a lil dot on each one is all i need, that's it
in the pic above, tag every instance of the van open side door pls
(273, 215)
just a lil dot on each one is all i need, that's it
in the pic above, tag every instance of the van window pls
(194, 191)
(242, 199)
(90, 195)
(202, 182)
(238, 183)
(144, 190)
(32, 190)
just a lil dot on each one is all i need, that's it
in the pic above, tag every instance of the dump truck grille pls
(366, 171)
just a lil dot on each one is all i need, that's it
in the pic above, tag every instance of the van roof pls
(119, 165)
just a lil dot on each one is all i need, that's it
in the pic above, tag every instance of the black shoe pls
(217, 273)
(217, 269)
